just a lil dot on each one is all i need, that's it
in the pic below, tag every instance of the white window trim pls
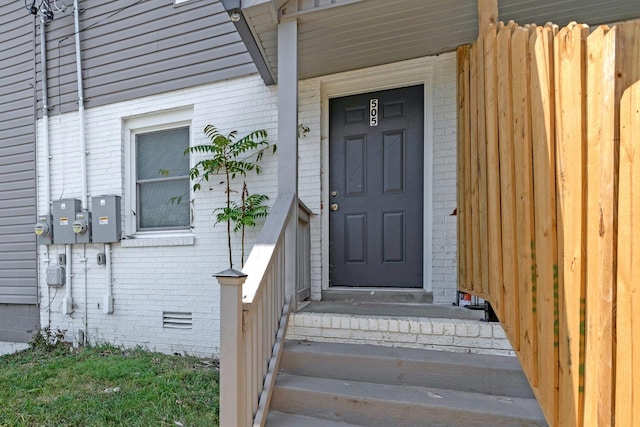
(167, 119)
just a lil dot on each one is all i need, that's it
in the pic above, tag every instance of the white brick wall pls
(444, 179)
(150, 279)
(310, 172)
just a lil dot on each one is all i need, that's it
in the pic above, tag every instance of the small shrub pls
(47, 339)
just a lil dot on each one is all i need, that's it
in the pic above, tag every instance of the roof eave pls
(236, 14)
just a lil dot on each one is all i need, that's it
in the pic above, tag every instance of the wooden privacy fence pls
(549, 208)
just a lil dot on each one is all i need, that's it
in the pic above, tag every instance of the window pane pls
(162, 150)
(155, 206)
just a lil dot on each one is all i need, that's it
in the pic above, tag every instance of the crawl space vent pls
(177, 320)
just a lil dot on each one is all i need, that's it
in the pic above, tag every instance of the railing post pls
(233, 391)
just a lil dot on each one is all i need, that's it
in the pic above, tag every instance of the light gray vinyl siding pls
(18, 283)
(133, 48)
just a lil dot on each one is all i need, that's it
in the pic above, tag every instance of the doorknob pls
(334, 193)
(334, 207)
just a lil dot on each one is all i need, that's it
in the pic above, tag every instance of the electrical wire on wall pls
(43, 8)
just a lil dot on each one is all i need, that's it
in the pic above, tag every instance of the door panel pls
(356, 167)
(376, 189)
(355, 239)
(393, 170)
(393, 237)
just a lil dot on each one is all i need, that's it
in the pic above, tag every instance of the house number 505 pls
(373, 112)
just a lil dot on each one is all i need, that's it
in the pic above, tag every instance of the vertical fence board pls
(482, 287)
(628, 325)
(463, 117)
(543, 141)
(524, 201)
(599, 227)
(496, 287)
(475, 174)
(511, 320)
(569, 47)
(628, 257)
(468, 223)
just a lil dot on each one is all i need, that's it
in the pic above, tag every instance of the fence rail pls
(548, 128)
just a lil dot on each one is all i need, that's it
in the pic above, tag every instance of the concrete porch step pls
(419, 326)
(478, 373)
(281, 419)
(383, 405)
(321, 384)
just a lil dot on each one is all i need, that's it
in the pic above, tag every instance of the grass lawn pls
(106, 386)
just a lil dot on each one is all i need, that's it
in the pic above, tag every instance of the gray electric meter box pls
(44, 230)
(64, 214)
(82, 227)
(105, 219)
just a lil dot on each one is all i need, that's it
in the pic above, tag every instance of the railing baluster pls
(251, 383)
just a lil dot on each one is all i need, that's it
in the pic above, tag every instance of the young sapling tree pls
(230, 157)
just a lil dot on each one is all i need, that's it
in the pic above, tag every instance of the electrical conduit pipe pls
(83, 149)
(45, 139)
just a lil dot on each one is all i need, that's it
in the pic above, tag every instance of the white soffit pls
(342, 35)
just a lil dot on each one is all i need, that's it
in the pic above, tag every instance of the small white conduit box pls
(105, 219)
(55, 275)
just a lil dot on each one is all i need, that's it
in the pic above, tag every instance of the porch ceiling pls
(342, 35)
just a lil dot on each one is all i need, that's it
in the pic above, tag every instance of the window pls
(162, 179)
(157, 173)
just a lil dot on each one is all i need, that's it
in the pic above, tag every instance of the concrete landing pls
(438, 311)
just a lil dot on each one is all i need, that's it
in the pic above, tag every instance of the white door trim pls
(407, 73)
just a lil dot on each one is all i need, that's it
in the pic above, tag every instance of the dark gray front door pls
(375, 188)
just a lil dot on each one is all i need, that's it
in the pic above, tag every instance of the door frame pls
(392, 76)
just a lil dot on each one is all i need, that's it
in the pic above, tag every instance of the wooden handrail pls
(253, 317)
(264, 249)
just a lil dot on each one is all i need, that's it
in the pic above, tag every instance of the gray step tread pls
(279, 419)
(366, 350)
(382, 405)
(496, 375)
